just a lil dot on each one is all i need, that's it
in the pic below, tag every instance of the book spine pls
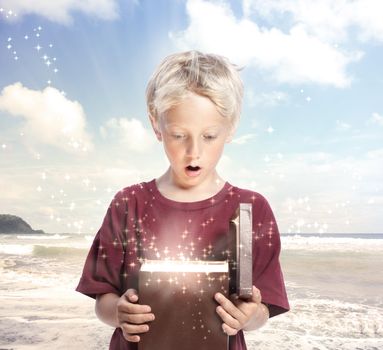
(241, 231)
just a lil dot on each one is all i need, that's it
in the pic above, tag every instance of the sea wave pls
(57, 251)
(43, 236)
(343, 244)
(16, 249)
(42, 250)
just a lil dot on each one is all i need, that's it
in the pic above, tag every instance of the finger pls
(136, 318)
(228, 319)
(131, 295)
(132, 338)
(229, 307)
(133, 308)
(257, 297)
(134, 328)
(228, 330)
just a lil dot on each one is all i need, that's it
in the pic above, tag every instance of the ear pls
(155, 127)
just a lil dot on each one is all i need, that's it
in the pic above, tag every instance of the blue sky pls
(73, 122)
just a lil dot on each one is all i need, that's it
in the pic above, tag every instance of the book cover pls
(181, 295)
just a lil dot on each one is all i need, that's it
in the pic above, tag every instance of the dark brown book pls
(181, 296)
(241, 262)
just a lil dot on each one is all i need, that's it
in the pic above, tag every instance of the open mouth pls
(193, 171)
(193, 168)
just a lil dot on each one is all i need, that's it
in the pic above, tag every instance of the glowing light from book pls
(184, 266)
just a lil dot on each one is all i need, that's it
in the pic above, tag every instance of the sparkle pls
(38, 47)
(308, 98)
(270, 130)
(26, 37)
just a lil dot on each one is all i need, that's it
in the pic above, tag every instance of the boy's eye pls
(209, 137)
(178, 136)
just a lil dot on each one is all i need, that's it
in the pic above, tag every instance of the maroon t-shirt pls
(143, 224)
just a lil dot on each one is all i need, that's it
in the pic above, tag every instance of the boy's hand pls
(132, 317)
(237, 313)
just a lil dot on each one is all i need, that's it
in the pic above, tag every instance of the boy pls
(194, 103)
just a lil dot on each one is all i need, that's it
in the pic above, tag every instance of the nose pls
(194, 148)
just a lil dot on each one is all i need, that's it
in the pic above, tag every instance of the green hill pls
(15, 224)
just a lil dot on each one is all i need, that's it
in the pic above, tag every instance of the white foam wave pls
(16, 249)
(332, 243)
(42, 237)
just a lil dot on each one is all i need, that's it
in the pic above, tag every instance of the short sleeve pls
(103, 266)
(267, 272)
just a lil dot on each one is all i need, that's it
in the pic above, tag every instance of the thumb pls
(257, 297)
(131, 295)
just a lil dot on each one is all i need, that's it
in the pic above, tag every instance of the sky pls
(74, 128)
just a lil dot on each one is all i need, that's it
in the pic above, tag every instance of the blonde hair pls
(208, 75)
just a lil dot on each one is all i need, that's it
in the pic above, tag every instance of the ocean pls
(334, 284)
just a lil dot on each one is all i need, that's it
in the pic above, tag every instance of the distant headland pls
(15, 224)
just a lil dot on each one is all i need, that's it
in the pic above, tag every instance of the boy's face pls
(194, 134)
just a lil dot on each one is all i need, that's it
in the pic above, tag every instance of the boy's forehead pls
(175, 120)
(189, 124)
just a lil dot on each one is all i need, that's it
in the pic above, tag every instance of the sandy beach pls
(334, 289)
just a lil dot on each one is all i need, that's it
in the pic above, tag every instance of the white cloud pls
(342, 126)
(295, 57)
(268, 99)
(319, 190)
(327, 19)
(376, 119)
(241, 140)
(61, 11)
(130, 133)
(50, 118)
(375, 154)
